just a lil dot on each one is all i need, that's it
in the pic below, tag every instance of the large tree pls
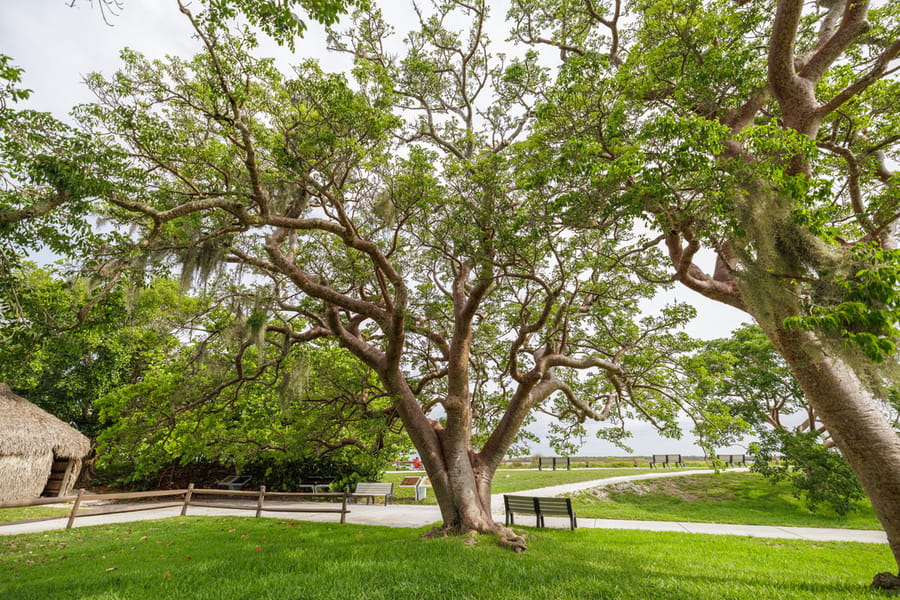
(472, 301)
(766, 133)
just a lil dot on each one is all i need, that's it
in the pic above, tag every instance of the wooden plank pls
(219, 492)
(115, 509)
(220, 505)
(37, 501)
(305, 494)
(187, 499)
(302, 510)
(133, 495)
(75, 509)
(259, 503)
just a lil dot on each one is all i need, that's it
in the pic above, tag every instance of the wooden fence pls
(189, 499)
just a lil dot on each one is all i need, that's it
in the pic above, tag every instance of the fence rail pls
(189, 499)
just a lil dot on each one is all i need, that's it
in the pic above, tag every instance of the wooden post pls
(344, 506)
(187, 499)
(260, 500)
(75, 509)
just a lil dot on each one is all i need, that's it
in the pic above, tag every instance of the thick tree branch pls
(875, 74)
(38, 209)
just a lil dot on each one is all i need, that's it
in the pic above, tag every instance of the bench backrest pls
(555, 506)
(533, 505)
(733, 458)
(520, 504)
(659, 458)
(375, 489)
(673, 458)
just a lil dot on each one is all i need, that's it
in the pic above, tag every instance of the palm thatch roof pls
(26, 430)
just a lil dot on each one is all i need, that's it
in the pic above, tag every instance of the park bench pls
(233, 482)
(316, 485)
(417, 483)
(734, 459)
(314, 488)
(665, 460)
(370, 490)
(540, 507)
(551, 460)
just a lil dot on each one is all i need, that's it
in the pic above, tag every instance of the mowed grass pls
(200, 558)
(32, 512)
(743, 498)
(516, 480)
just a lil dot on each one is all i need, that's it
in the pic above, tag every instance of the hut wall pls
(23, 477)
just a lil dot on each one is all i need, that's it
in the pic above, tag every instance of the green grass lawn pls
(745, 498)
(32, 512)
(516, 480)
(188, 558)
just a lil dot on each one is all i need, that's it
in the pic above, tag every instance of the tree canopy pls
(766, 133)
(477, 228)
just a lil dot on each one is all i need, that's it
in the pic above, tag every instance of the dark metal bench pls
(551, 460)
(540, 507)
(370, 490)
(665, 460)
(734, 459)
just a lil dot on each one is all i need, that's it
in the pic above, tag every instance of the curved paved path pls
(409, 515)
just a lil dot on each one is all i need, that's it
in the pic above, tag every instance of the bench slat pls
(539, 506)
(370, 490)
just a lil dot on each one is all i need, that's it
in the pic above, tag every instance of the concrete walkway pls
(417, 515)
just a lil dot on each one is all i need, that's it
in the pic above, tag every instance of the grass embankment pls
(198, 558)
(509, 481)
(743, 498)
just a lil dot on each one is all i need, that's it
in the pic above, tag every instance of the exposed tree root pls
(886, 581)
(436, 532)
(506, 537)
(510, 539)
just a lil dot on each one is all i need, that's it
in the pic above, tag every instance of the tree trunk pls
(859, 429)
(460, 479)
(466, 499)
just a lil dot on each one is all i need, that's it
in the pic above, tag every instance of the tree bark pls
(859, 429)
(460, 482)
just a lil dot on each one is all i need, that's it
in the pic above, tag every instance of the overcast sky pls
(57, 46)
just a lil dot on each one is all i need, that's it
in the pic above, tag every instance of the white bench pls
(370, 490)
(417, 483)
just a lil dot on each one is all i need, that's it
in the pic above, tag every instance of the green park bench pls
(540, 507)
(666, 460)
(734, 459)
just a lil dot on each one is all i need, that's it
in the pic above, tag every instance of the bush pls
(820, 476)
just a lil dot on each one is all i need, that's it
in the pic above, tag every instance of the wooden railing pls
(189, 499)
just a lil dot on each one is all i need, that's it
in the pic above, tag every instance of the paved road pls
(407, 515)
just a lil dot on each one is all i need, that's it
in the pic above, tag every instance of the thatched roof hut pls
(39, 454)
